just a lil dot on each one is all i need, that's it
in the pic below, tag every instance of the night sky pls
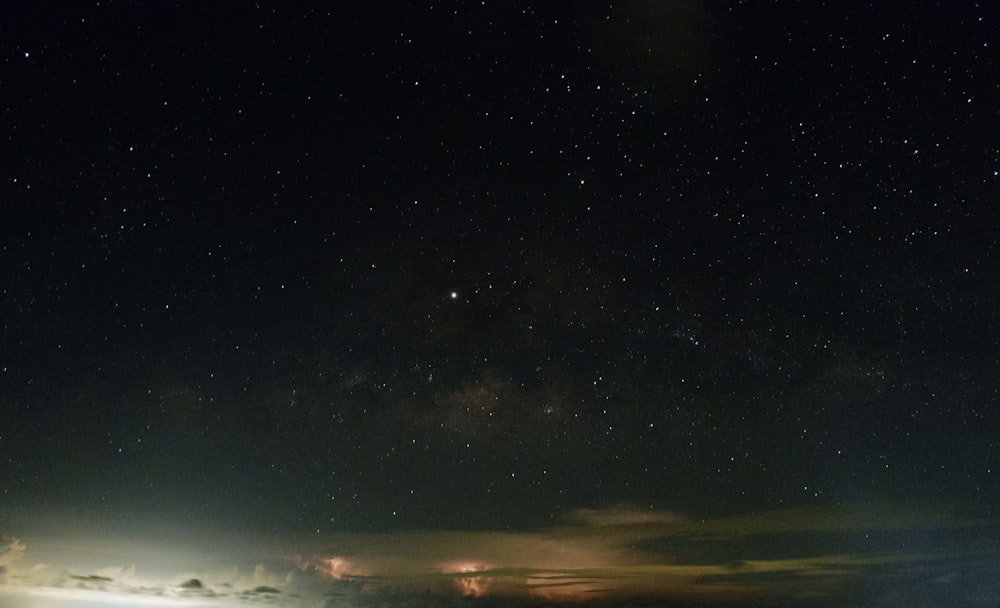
(504, 300)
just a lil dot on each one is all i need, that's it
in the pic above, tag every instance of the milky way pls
(552, 284)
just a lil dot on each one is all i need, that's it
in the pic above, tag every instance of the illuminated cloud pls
(623, 551)
(599, 555)
(82, 577)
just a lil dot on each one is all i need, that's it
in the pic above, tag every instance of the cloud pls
(841, 518)
(11, 550)
(623, 551)
(83, 578)
(802, 556)
(93, 578)
(624, 515)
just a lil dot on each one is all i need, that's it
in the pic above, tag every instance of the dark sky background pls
(293, 268)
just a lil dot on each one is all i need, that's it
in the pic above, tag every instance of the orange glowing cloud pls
(336, 567)
(619, 552)
(543, 565)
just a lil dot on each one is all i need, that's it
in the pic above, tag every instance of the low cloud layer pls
(809, 556)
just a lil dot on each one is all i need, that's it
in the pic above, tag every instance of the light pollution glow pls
(601, 555)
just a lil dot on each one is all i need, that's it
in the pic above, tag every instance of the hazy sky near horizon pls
(513, 300)
(882, 554)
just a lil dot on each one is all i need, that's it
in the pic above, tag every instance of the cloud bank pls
(817, 556)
